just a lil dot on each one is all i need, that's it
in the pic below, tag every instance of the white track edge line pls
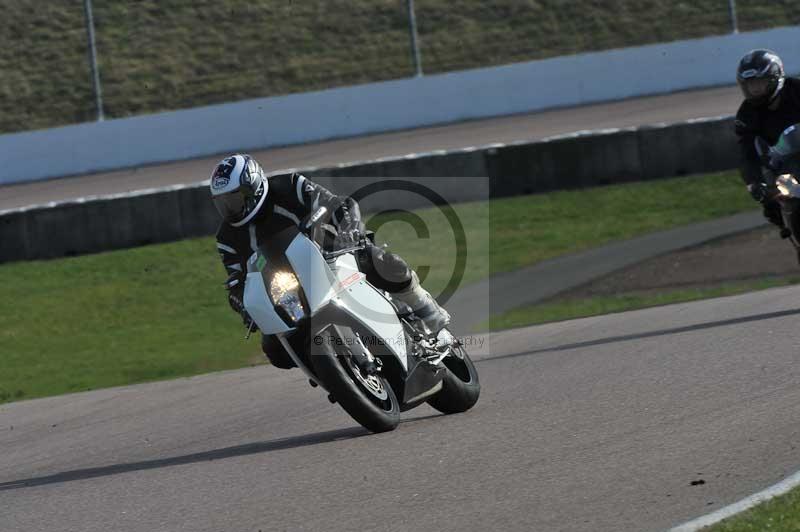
(775, 490)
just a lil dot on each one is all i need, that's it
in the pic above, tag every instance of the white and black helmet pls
(760, 76)
(238, 189)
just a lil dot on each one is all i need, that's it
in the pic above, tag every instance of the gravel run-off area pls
(754, 255)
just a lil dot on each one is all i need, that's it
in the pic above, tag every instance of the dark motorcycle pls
(783, 159)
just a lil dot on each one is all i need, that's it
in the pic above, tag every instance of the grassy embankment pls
(175, 54)
(159, 311)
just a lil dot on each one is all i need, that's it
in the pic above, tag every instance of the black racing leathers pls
(290, 198)
(752, 122)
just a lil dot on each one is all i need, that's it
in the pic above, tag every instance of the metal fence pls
(62, 62)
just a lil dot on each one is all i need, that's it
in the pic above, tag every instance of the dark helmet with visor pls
(238, 189)
(760, 76)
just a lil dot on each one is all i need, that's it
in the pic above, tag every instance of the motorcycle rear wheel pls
(461, 387)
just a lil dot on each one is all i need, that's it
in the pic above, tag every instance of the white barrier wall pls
(377, 107)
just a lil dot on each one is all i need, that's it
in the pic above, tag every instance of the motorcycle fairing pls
(316, 278)
(349, 293)
(413, 383)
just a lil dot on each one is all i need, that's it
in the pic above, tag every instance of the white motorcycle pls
(370, 353)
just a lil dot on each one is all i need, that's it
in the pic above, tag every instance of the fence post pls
(412, 27)
(734, 19)
(98, 91)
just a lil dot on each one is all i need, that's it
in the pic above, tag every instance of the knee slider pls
(391, 267)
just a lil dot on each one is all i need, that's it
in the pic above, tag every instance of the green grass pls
(160, 311)
(116, 318)
(781, 514)
(176, 54)
(568, 309)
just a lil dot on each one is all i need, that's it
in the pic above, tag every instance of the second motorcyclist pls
(771, 104)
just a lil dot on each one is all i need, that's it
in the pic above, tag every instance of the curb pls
(745, 504)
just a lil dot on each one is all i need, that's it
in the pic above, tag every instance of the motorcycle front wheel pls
(369, 399)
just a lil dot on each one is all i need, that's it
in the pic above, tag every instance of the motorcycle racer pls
(253, 205)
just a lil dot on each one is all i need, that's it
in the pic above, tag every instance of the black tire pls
(375, 415)
(460, 387)
(276, 353)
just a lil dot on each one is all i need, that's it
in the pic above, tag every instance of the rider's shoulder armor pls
(280, 184)
(792, 89)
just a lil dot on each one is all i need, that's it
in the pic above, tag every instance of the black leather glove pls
(236, 300)
(759, 191)
(350, 228)
(346, 238)
(235, 287)
(248, 322)
(775, 162)
(772, 212)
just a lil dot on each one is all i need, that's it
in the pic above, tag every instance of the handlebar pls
(329, 255)
(314, 219)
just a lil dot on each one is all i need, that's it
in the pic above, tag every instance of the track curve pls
(634, 112)
(595, 424)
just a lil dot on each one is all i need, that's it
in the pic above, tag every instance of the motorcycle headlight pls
(284, 289)
(785, 184)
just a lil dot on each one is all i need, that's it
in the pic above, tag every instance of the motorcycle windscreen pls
(785, 154)
(788, 144)
(316, 278)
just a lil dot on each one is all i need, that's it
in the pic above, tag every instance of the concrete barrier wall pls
(688, 148)
(619, 156)
(372, 108)
(569, 162)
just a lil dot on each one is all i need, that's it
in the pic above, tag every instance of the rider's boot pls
(423, 305)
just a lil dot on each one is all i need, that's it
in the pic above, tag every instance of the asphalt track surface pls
(628, 113)
(596, 424)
